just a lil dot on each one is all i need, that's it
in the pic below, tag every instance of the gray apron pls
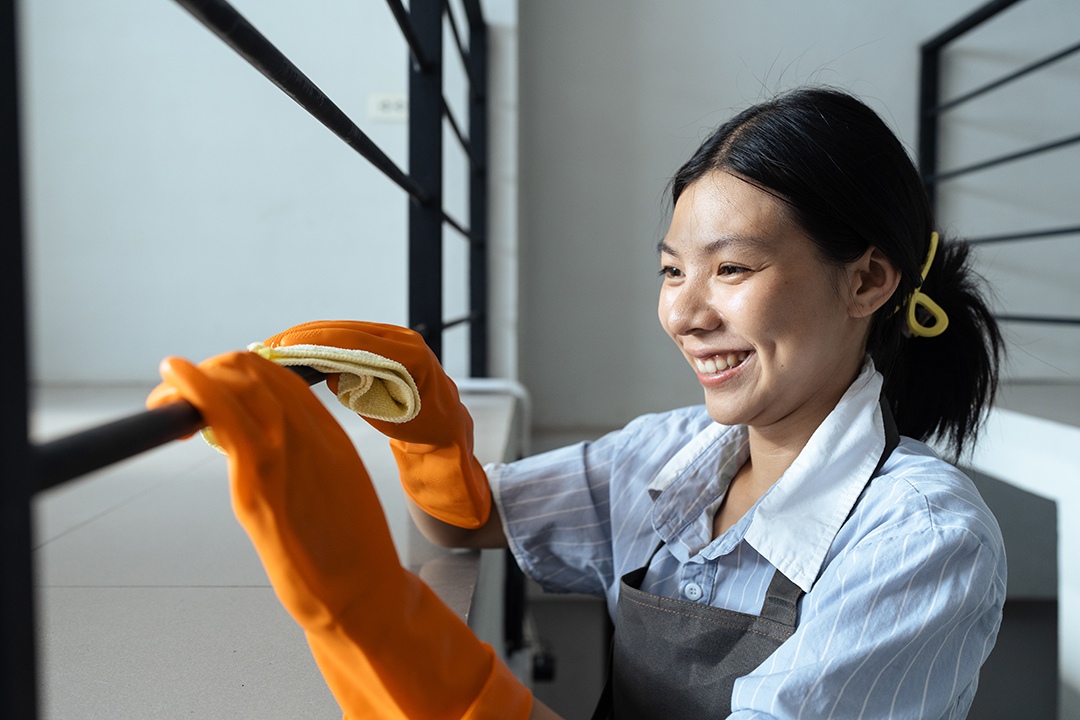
(677, 659)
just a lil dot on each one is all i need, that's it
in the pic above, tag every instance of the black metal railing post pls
(18, 689)
(478, 191)
(930, 88)
(425, 167)
(931, 109)
(929, 95)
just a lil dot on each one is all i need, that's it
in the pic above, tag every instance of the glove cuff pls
(448, 483)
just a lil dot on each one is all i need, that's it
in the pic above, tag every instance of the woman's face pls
(763, 321)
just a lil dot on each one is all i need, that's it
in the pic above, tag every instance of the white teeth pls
(720, 363)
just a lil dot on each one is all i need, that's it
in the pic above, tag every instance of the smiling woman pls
(791, 549)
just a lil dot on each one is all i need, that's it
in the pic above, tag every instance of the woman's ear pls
(872, 280)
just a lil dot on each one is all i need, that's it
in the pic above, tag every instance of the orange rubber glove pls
(386, 645)
(434, 450)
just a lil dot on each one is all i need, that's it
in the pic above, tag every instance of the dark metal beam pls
(464, 141)
(18, 658)
(426, 166)
(479, 328)
(239, 34)
(470, 318)
(409, 33)
(1005, 79)
(1011, 157)
(1025, 235)
(929, 96)
(1038, 319)
(968, 22)
(449, 220)
(69, 457)
(474, 85)
(475, 15)
(930, 89)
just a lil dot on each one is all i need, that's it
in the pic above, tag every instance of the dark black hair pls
(850, 184)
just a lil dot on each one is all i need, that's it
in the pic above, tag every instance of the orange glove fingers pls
(298, 487)
(435, 449)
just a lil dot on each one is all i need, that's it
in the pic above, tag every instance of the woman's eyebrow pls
(720, 243)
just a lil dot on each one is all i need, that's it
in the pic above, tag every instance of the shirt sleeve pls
(556, 513)
(896, 628)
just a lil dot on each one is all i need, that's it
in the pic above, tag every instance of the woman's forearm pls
(489, 535)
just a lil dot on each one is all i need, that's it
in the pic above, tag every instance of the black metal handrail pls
(931, 109)
(75, 455)
(239, 34)
(462, 140)
(409, 33)
(422, 29)
(1004, 80)
(1007, 158)
(26, 469)
(1039, 319)
(1025, 235)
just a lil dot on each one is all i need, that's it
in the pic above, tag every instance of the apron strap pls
(603, 709)
(892, 435)
(781, 600)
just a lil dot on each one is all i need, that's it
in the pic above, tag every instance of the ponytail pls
(850, 184)
(938, 387)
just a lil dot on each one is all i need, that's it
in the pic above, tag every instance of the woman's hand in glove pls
(434, 450)
(387, 646)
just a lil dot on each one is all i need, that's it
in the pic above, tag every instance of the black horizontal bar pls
(463, 319)
(241, 36)
(1026, 235)
(969, 22)
(423, 329)
(409, 33)
(464, 141)
(66, 458)
(1005, 79)
(462, 52)
(1007, 158)
(1038, 319)
(457, 226)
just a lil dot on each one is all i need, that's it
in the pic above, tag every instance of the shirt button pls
(693, 591)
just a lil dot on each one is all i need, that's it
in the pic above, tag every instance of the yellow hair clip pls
(919, 298)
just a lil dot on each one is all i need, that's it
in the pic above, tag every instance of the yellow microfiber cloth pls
(368, 384)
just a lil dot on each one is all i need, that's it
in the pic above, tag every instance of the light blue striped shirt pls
(904, 573)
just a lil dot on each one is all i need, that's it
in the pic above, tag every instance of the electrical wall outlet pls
(388, 107)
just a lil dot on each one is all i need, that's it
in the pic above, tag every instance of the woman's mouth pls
(719, 363)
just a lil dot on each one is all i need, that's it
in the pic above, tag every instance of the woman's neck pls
(773, 448)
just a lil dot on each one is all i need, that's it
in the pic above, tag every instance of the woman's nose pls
(691, 310)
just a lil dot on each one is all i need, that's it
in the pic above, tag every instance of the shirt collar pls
(795, 523)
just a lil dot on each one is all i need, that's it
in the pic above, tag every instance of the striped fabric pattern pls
(904, 572)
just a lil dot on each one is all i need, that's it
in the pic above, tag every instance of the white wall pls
(615, 95)
(181, 204)
(1039, 456)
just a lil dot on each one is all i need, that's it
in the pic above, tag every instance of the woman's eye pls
(670, 272)
(731, 270)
